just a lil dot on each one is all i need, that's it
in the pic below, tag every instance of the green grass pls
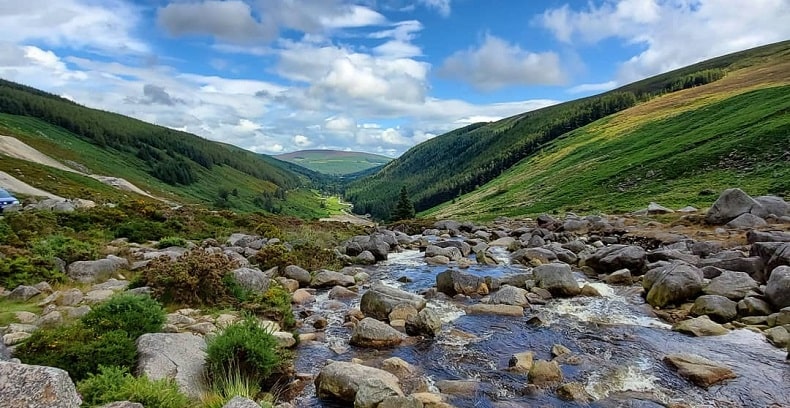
(335, 162)
(9, 308)
(669, 155)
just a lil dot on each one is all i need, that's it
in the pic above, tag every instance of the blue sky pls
(379, 76)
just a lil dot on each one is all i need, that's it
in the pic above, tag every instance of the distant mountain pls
(712, 125)
(335, 162)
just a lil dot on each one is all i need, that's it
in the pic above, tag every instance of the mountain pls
(603, 173)
(172, 165)
(334, 162)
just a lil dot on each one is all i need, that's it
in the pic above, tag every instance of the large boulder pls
(746, 221)
(452, 282)
(370, 332)
(718, 308)
(31, 386)
(253, 280)
(777, 290)
(23, 293)
(732, 285)
(672, 284)
(462, 246)
(425, 323)
(509, 295)
(176, 356)
(616, 257)
(94, 271)
(557, 278)
(752, 306)
(342, 380)
(700, 326)
(699, 370)
(327, 279)
(730, 204)
(452, 253)
(298, 274)
(772, 254)
(379, 301)
(771, 205)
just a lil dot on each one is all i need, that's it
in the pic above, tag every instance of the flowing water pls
(619, 342)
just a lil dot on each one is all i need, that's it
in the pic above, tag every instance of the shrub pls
(228, 385)
(117, 384)
(19, 269)
(274, 304)
(78, 350)
(134, 314)
(7, 234)
(195, 278)
(244, 346)
(140, 231)
(168, 242)
(66, 248)
(275, 255)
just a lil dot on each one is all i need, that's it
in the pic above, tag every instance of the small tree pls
(404, 209)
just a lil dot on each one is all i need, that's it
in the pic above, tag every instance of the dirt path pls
(11, 183)
(349, 218)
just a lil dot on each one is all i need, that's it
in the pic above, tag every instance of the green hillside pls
(334, 162)
(449, 166)
(172, 165)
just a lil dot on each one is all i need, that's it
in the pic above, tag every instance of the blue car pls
(6, 199)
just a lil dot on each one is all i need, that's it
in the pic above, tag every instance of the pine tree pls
(405, 209)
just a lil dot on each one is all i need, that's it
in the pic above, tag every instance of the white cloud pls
(302, 141)
(442, 6)
(230, 20)
(340, 123)
(496, 63)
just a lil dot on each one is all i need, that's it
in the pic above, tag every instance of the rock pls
(10, 339)
(732, 285)
(451, 253)
(672, 255)
(458, 387)
(589, 290)
(438, 260)
(699, 370)
(688, 210)
(778, 336)
(379, 301)
(302, 296)
(700, 326)
(521, 362)
(533, 256)
(372, 391)
(401, 402)
(78, 312)
(298, 274)
(202, 328)
(326, 278)
(462, 246)
(745, 221)
(767, 236)
(777, 290)
(621, 277)
(504, 242)
(94, 271)
(752, 306)
(730, 204)
(25, 317)
(284, 339)
(616, 257)
(502, 310)
(49, 320)
(123, 404)
(574, 391)
(559, 350)
(339, 292)
(509, 295)
(654, 209)
(23, 293)
(32, 386)
(342, 380)
(241, 402)
(543, 373)
(69, 297)
(253, 280)
(557, 278)
(672, 284)
(402, 311)
(398, 367)
(178, 356)
(718, 308)
(772, 205)
(98, 296)
(452, 282)
(426, 323)
(772, 255)
(563, 255)
(365, 258)
(43, 287)
(372, 333)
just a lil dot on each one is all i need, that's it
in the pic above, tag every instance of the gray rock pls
(365, 258)
(621, 277)
(745, 221)
(462, 246)
(772, 254)
(438, 260)
(373, 391)
(771, 205)
(777, 290)
(616, 257)
(253, 280)
(402, 311)
(534, 256)
(51, 319)
(557, 278)
(730, 204)
(379, 301)
(718, 308)
(543, 373)
(177, 356)
(5, 355)
(326, 278)
(69, 297)
(654, 208)
(123, 404)
(699, 370)
(563, 255)
(339, 292)
(452, 253)
(23, 293)
(767, 236)
(700, 326)
(342, 380)
(426, 323)
(401, 402)
(98, 296)
(372, 333)
(452, 282)
(752, 306)
(521, 362)
(31, 386)
(298, 274)
(672, 255)
(779, 336)
(509, 295)
(94, 271)
(501, 310)
(672, 284)
(732, 285)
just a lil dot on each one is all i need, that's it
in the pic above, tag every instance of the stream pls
(619, 342)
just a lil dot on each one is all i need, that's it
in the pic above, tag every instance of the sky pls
(378, 76)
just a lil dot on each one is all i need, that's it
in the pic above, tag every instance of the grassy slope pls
(333, 161)
(733, 132)
(65, 146)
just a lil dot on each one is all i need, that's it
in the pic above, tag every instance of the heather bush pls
(134, 314)
(246, 347)
(195, 278)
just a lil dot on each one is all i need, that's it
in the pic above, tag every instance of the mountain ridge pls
(334, 162)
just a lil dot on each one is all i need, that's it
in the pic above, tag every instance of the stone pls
(426, 323)
(372, 333)
(700, 326)
(732, 285)
(177, 356)
(438, 260)
(326, 278)
(504, 242)
(398, 367)
(521, 362)
(302, 296)
(589, 290)
(69, 297)
(23, 293)
(339, 292)
(452, 282)
(771, 205)
(718, 308)
(777, 290)
(559, 350)
(544, 373)
(49, 320)
(778, 336)
(202, 328)
(401, 402)
(365, 258)
(402, 311)
(672, 284)
(78, 312)
(379, 301)
(699, 370)
(112, 284)
(458, 387)
(26, 317)
(772, 255)
(284, 339)
(616, 257)
(574, 391)
(534, 256)
(451, 253)
(620, 277)
(671, 255)
(98, 296)
(251, 279)
(123, 404)
(10, 339)
(746, 221)
(730, 204)
(372, 391)
(557, 278)
(752, 306)
(98, 270)
(298, 274)
(502, 310)
(342, 380)
(241, 402)
(654, 208)
(767, 236)
(509, 295)
(462, 246)
(32, 386)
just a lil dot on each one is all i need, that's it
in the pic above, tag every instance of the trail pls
(11, 183)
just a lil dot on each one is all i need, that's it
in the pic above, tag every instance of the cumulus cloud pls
(227, 20)
(496, 63)
(157, 94)
(302, 141)
(673, 33)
